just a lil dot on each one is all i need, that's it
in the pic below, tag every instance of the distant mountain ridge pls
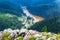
(45, 11)
(8, 7)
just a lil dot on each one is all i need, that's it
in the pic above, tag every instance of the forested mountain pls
(52, 25)
(47, 9)
(9, 21)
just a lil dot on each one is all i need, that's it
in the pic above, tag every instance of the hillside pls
(9, 21)
(52, 25)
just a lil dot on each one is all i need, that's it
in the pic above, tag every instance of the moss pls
(58, 37)
(6, 34)
(32, 38)
(6, 38)
(47, 35)
(20, 38)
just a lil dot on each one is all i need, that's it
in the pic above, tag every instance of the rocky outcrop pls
(24, 34)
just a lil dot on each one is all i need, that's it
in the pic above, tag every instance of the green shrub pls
(44, 29)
